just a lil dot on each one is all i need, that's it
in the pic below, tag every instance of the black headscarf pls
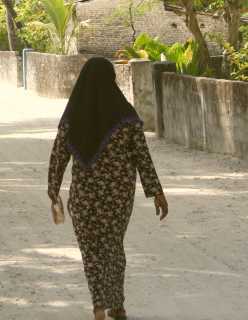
(95, 110)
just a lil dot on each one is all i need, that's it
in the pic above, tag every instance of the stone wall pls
(206, 114)
(52, 75)
(105, 36)
(123, 77)
(135, 80)
(10, 68)
(143, 91)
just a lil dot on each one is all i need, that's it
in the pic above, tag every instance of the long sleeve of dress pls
(144, 163)
(59, 159)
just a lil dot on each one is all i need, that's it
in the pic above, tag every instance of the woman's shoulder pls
(63, 129)
(63, 126)
(134, 125)
(132, 128)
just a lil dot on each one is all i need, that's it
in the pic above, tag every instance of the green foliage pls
(32, 35)
(238, 62)
(48, 25)
(144, 47)
(27, 11)
(152, 46)
(61, 24)
(184, 55)
(215, 5)
(244, 32)
(4, 45)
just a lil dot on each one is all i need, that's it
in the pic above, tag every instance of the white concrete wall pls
(206, 114)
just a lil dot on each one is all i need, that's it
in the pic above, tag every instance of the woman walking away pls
(104, 135)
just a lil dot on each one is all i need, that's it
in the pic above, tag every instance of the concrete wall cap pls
(134, 60)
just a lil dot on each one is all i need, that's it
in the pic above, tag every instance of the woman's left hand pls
(52, 197)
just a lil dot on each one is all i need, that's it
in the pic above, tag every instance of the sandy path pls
(193, 267)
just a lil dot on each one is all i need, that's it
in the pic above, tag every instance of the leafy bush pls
(144, 47)
(4, 45)
(152, 46)
(238, 61)
(48, 25)
(61, 25)
(31, 35)
(184, 55)
(244, 33)
(27, 11)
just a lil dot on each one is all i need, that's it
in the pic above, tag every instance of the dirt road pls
(191, 267)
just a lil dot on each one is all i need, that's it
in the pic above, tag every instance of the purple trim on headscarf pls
(87, 164)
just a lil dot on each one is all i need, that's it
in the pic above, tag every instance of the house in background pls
(105, 37)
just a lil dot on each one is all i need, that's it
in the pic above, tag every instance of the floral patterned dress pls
(101, 202)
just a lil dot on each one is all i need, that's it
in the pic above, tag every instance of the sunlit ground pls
(191, 267)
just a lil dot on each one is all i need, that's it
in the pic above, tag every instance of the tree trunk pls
(193, 26)
(232, 17)
(131, 20)
(10, 26)
(9, 4)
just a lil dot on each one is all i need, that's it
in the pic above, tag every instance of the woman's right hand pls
(161, 205)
